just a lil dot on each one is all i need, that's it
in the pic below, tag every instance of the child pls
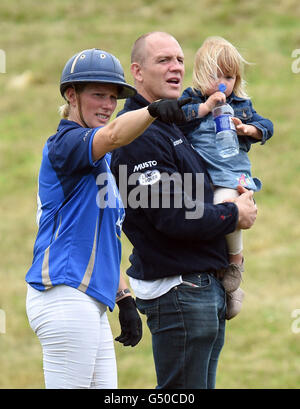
(218, 62)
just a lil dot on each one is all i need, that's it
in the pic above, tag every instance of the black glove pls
(130, 322)
(169, 110)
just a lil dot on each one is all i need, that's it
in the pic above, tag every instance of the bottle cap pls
(222, 87)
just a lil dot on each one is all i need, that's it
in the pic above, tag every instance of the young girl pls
(218, 62)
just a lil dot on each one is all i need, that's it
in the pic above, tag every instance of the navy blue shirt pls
(169, 236)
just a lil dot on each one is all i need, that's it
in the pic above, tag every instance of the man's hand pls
(169, 110)
(246, 206)
(130, 322)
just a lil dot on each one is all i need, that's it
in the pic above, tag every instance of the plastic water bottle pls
(226, 138)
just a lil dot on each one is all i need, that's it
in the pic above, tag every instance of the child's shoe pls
(234, 303)
(232, 277)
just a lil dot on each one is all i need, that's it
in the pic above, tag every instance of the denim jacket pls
(200, 132)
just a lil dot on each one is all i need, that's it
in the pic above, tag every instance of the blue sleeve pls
(261, 123)
(190, 112)
(71, 152)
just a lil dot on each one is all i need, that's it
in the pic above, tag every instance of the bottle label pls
(224, 123)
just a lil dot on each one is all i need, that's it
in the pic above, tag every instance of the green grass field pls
(262, 346)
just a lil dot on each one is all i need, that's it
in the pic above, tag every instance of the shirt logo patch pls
(149, 178)
(178, 142)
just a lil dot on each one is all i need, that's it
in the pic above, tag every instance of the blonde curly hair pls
(217, 55)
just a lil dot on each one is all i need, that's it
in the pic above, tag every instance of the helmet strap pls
(77, 96)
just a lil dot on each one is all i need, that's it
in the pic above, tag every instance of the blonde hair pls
(64, 110)
(214, 56)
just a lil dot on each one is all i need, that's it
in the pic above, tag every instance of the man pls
(179, 249)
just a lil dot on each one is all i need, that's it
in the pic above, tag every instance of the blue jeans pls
(188, 328)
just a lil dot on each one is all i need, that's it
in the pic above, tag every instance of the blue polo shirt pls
(79, 216)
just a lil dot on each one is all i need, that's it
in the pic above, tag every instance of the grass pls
(261, 350)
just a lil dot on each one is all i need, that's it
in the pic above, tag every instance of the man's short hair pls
(138, 49)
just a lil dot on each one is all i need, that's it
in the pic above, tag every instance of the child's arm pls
(247, 130)
(200, 110)
(257, 127)
(210, 103)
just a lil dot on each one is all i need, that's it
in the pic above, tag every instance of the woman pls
(75, 273)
